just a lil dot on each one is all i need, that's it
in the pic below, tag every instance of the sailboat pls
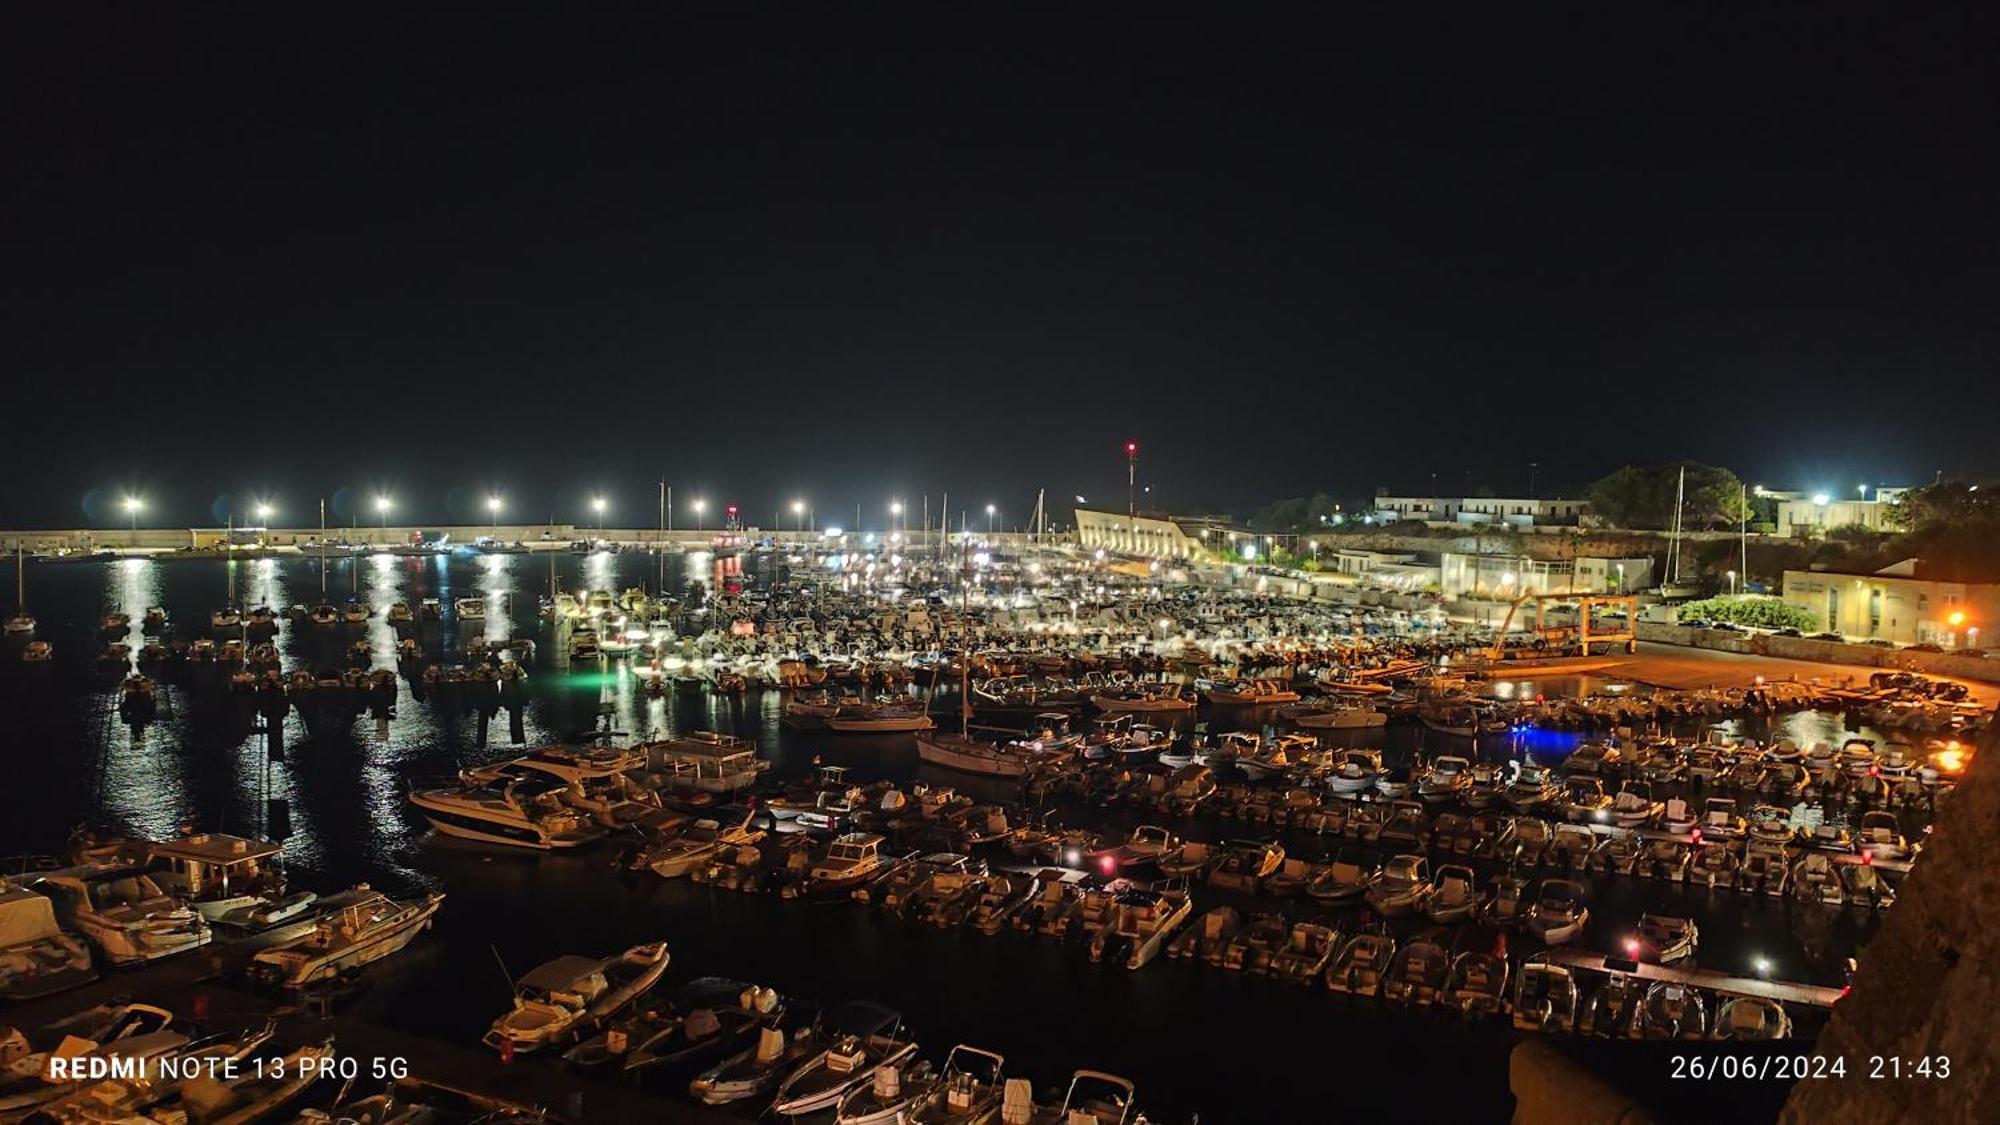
(961, 751)
(1675, 586)
(20, 625)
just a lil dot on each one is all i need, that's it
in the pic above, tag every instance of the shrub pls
(1761, 613)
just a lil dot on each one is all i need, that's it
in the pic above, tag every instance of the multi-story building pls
(1898, 603)
(1818, 514)
(1466, 511)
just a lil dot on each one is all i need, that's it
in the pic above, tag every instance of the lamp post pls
(493, 506)
(133, 505)
(698, 506)
(1132, 480)
(382, 506)
(598, 504)
(896, 517)
(990, 509)
(1732, 583)
(799, 516)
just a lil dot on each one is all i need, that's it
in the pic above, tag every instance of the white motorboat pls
(1559, 913)
(1356, 771)
(851, 860)
(1752, 1018)
(755, 1070)
(699, 842)
(1662, 939)
(356, 928)
(1141, 923)
(967, 1090)
(1339, 716)
(125, 913)
(1449, 776)
(556, 1001)
(866, 1037)
(1093, 1098)
(231, 880)
(1402, 886)
(38, 957)
(1545, 997)
(526, 812)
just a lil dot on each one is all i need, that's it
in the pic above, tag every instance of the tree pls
(1644, 497)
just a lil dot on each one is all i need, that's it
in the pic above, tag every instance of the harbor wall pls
(1929, 984)
(1825, 652)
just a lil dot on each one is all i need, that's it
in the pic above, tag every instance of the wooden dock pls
(1790, 992)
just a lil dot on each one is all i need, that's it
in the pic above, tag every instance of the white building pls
(1466, 511)
(1145, 536)
(1501, 576)
(1612, 576)
(1815, 515)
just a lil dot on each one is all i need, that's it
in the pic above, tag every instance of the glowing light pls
(134, 504)
(1108, 865)
(798, 507)
(1763, 966)
(264, 511)
(896, 508)
(383, 503)
(1821, 499)
(597, 504)
(1956, 618)
(1631, 947)
(494, 503)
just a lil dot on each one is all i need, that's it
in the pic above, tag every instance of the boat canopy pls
(563, 972)
(26, 916)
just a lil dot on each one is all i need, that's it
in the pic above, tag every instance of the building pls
(1381, 570)
(1465, 511)
(1897, 603)
(1813, 516)
(1613, 576)
(1152, 537)
(1501, 576)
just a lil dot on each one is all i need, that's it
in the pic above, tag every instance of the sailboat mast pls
(322, 548)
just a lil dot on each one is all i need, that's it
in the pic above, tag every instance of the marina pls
(1068, 852)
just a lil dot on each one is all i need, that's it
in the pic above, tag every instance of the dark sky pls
(770, 254)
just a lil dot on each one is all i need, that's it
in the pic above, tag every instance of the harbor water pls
(1194, 1039)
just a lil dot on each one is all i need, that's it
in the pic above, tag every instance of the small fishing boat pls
(1545, 998)
(861, 1039)
(1559, 913)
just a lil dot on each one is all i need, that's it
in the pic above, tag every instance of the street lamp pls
(1732, 583)
(382, 506)
(597, 504)
(133, 505)
(493, 506)
(699, 506)
(263, 513)
(990, 509)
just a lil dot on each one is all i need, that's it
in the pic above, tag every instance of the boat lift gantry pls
(1561, 638)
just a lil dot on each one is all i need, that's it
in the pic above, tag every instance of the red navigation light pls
(1131, 449)
(1694, 837)
(1632, 947)
(1109, 865)
(1867, 857)
(731, 509)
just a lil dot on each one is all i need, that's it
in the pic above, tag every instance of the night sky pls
(768, 255)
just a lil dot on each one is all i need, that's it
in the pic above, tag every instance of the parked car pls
(1926, 647)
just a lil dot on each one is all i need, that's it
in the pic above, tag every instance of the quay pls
(1811, 995)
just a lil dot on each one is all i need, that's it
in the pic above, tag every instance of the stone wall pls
(1929, 983)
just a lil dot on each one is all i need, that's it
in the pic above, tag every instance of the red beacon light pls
(1108, 864)
(1131, 448)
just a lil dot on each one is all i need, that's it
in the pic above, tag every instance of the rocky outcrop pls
(1929, 984)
